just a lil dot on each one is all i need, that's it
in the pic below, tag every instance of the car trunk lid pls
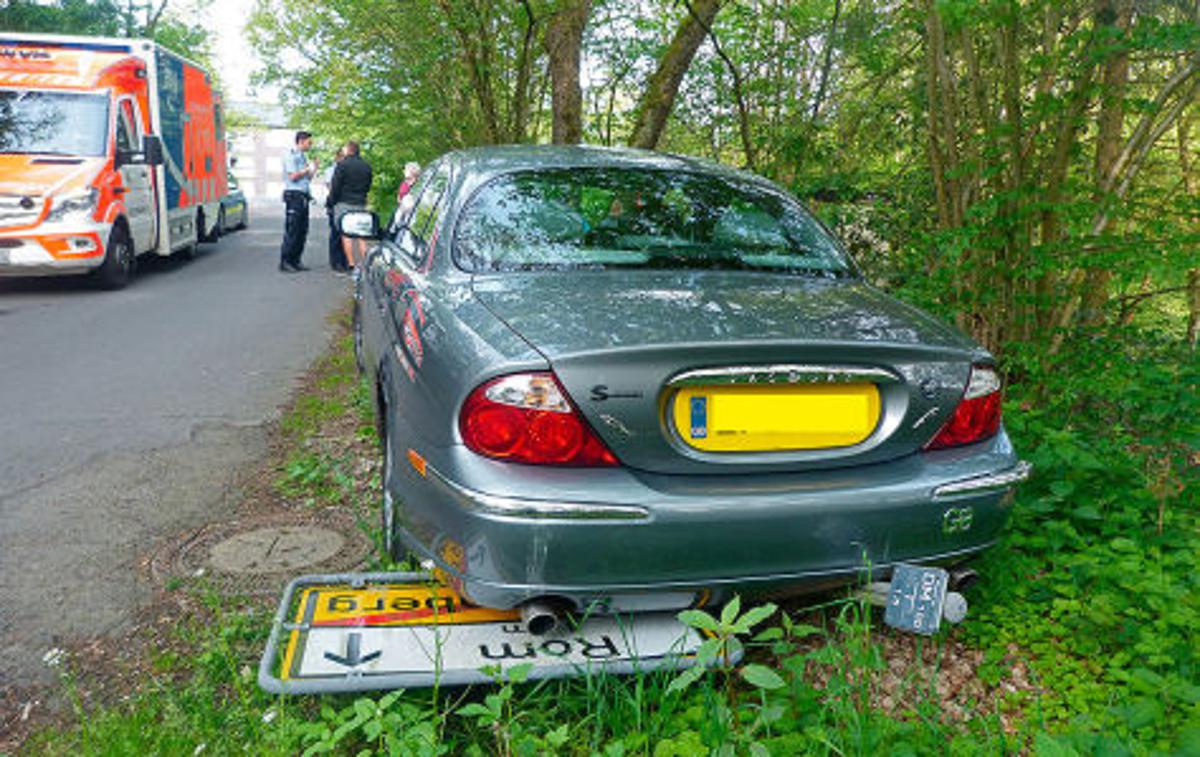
(732, 372)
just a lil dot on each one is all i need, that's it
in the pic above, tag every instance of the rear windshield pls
(53, 123)
(637, 218)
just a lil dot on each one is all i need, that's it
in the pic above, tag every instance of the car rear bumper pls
(673, 539)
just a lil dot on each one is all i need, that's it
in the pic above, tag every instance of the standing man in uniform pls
(298, 171)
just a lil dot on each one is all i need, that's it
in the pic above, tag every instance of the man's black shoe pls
(299, 267)
(287, 268)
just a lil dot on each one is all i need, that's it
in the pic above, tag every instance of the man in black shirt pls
(337, 256)
(348, 191)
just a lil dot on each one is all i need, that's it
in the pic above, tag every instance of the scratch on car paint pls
(928, 414)
(615, 425)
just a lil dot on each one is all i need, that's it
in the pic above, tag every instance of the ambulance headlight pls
(77, 205)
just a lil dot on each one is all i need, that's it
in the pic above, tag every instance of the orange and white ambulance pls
(109, 149)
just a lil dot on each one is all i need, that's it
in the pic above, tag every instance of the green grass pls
(211, 699)
(1093, 595)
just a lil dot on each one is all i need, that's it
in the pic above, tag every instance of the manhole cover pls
(259, 554)
(272, 549)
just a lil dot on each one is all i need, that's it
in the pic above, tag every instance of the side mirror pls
(152, 149)
(359, 224)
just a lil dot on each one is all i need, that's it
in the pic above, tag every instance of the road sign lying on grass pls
(360, 632)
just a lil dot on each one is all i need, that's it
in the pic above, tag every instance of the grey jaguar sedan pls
(633, 381)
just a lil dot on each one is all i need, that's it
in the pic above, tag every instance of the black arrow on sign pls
(354, 656)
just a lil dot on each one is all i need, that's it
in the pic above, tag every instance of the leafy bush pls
(1097, 580)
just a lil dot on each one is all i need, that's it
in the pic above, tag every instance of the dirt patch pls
(913, 672)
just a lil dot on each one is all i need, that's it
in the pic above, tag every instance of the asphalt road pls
(126, 416)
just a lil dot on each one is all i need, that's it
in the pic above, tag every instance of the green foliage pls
(107, 18)
(1097, 580)
(102, 18)
(387, 725)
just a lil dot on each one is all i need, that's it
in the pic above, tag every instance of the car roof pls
(499, 159)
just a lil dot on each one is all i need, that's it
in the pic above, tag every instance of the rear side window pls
(429, 207)
(639, 218)
(419, 233)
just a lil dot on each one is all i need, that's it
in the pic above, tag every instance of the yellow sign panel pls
(774, 418)
(383, 606)
(393, 605)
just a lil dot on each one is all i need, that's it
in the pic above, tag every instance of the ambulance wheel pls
(117, 269)
(393, 548)
(186, 253)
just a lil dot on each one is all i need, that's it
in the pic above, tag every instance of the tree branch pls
(743, 112)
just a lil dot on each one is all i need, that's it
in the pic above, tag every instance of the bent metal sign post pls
(363, 632)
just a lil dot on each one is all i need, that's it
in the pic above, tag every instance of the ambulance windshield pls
(53, 123)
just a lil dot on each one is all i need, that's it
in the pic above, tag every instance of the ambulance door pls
(136, 176)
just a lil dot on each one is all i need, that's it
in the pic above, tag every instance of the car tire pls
(219, 231)
(245, 218)
(211, 236)
(119, 261)
(393, 548)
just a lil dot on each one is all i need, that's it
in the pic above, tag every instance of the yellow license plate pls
(775, 418)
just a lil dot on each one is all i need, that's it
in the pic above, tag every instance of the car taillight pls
(528, 418)
(978, 413)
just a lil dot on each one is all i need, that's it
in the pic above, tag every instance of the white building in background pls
(257, 149)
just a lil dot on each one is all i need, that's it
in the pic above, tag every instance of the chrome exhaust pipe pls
(539, 617)
(962, 579)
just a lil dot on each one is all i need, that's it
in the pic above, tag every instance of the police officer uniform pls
(296, 194)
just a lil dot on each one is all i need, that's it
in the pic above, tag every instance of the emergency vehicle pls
(109, 149)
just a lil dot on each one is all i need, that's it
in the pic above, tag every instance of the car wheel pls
(220, 229)
(118, 266)
(245, 218)
(393, 547)
(210, 236)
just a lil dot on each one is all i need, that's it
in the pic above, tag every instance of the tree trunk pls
(1189, 189)
(827, 64)
(1116, 16)
(934, 50)
(564, 43)
(475, 63)
(1183, 87)
(738, 95)
(519, 117)
(659, 97)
